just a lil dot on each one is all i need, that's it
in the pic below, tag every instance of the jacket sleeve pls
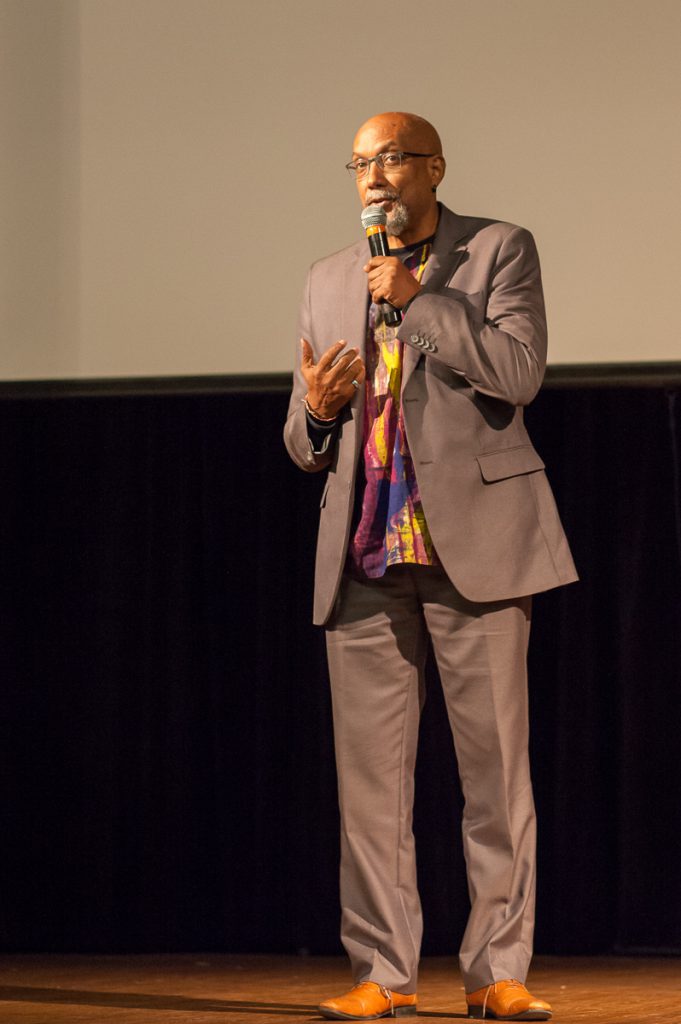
(296, 436)
(496, 338)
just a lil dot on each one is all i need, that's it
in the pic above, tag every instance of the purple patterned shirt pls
(392, 528)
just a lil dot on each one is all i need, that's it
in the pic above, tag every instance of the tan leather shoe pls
(506, 1000)
(368, 1001)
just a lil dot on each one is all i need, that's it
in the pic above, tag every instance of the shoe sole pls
(398, 1011)
(476, 1012)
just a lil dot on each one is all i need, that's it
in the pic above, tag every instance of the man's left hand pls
(390, 281)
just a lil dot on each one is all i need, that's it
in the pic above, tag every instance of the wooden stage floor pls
(198, 989)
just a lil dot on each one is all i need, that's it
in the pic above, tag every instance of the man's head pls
(406, 191)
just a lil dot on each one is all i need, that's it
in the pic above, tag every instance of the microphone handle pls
(378, 244)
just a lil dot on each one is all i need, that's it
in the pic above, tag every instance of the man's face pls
(406, 194)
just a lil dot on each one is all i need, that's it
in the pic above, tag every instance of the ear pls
(437, 166)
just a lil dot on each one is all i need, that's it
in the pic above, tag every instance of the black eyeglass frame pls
(379, 159)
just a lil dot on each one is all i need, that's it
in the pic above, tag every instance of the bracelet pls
(315, 415)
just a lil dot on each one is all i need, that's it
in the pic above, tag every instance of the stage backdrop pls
(166, 748)
(170, 168)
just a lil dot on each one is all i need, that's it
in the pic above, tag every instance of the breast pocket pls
(508, 462)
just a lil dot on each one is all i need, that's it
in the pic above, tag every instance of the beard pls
(398, 218)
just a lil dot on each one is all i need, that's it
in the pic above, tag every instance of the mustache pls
(381, 193)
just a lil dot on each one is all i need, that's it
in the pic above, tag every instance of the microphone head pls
(373, 217)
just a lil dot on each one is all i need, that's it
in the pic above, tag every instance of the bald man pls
(437, 525)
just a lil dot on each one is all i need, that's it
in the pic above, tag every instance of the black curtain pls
(166, 748)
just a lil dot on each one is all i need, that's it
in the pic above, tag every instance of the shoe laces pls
(389, 996)
(511, 983)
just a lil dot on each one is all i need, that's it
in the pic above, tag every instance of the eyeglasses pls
(390, 161)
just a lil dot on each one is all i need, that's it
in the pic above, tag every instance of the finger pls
(355, 367)
(347, 358)
(343, 360)
(374, 263)
(360, 377)
(327, 359)
(307, 358)
(354, 375)
(377, 285)
(340, 368)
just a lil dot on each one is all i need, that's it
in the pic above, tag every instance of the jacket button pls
(415, 338)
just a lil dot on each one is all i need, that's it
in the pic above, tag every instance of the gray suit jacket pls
(475, 354)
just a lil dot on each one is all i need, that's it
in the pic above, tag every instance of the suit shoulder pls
(489, 230)
(334, 260)
(484, 234)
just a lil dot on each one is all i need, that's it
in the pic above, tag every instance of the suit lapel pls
(448, 251)
(354, 322)
(355, 299)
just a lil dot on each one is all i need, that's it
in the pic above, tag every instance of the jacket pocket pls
(508, 462)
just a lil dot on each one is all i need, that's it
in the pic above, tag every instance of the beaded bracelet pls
(315, 415)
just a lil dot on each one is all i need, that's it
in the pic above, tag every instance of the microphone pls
(374, 220)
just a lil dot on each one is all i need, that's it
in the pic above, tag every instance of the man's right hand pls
(330, 381)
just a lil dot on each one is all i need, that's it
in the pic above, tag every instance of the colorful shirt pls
(392, 527)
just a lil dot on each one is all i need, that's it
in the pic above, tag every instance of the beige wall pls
(39, 189)
(170, 167)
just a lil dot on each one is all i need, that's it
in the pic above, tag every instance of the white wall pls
(171, 167)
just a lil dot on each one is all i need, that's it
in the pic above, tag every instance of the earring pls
(434, 188)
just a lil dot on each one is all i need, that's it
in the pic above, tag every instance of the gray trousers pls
(376, 643)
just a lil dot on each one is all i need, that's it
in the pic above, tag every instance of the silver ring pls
(355, 384)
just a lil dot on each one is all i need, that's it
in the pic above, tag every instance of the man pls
(436, 520)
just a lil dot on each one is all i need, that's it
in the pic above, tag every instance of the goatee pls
(398, 218)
